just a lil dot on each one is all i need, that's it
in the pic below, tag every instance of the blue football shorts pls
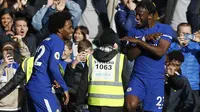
(149, 91)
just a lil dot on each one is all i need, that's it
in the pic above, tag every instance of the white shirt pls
(180, 13)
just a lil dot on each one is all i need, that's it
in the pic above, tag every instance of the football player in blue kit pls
(46, 69)
(147, 80)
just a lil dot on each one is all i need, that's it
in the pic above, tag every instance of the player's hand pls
(66, 98)
(171, 69)
(55, 84)
(153, 37)
(130, 39)
(197, 36)
(131, 5)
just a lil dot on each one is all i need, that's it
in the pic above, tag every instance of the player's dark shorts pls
(149, 91)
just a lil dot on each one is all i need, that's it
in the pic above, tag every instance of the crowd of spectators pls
(171, 28)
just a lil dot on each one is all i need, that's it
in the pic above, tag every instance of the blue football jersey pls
(146, 65)
(46, 69)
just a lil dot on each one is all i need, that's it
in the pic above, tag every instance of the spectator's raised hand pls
(59, 5)
(1, 1)
(24, 2)
(20, 6)
(182, 40)
(197, 36)
(49, 2)
(171, 69)
(81, 57)
(17, 38)
(8, 59)
(131, 5)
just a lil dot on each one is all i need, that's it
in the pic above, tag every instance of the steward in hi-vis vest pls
(105, 82)
(105, 77)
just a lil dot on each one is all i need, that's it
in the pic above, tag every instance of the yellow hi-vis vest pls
(105, 82)
(27, 66)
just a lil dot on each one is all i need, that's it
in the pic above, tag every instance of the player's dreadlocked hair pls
(148, 5)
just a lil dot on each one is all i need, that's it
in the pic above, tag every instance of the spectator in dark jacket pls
(174, 80)
(181, 100)
(75, 70)
(21, 29)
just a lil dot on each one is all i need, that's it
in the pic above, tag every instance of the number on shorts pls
(160, 101)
